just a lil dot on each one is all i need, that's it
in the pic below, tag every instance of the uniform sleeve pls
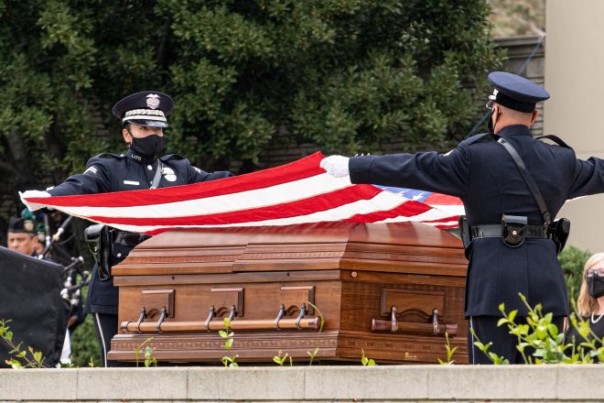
(431, 171)
(198, 175)
(588, 177)
(95, 179)
(192, 173)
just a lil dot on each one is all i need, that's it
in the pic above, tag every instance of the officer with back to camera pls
(144, 117)
(496, 197)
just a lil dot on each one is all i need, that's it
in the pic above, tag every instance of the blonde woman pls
(590, 304)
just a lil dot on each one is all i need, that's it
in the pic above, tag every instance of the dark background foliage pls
(347, 76)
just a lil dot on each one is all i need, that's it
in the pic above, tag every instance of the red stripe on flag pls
(300, 169)
(323, 202)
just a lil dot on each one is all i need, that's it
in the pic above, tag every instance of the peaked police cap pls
(147, 108)
(516, 92)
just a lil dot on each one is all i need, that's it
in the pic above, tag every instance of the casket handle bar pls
(394, 325)
(281, 322)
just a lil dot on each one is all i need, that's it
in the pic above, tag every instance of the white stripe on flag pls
(294, 193)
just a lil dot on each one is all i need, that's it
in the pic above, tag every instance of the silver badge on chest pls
(169, 174)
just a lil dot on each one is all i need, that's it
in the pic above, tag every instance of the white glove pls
(336, 166)
(33, 193)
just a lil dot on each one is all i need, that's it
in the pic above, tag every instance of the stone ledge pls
(396, 383)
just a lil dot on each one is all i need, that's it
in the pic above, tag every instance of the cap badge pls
(28, 225)
(152, 101)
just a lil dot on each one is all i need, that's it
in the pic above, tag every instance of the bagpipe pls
(51, 230)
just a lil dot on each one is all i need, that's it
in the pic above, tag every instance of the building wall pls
(526, 57)
(574, 67)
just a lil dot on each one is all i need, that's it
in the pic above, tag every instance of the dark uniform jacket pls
(113, 173)
(484, 176)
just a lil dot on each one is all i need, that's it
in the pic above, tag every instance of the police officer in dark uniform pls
(143, 116)
(482, 173)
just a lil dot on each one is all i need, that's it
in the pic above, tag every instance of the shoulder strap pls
(478, 138)
(528, 179)
(555, 139)
(157, 176)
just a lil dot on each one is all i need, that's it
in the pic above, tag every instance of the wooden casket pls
(326, 292)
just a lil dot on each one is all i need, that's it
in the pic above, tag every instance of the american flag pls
(295, 193)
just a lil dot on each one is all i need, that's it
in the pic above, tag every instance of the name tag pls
(134, 183)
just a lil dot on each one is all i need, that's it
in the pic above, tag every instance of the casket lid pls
(412, 247)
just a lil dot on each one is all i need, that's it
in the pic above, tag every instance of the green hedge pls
(573, 260)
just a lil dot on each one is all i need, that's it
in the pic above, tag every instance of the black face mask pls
(595, 286)
(149, 146)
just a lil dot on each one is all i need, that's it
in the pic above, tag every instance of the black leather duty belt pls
(495, 230)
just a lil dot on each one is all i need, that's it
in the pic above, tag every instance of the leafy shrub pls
(572, 260)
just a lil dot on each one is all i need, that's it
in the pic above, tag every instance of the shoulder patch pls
(91, 171)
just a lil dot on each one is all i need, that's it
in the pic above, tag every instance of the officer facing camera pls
(512, 186)
(143, 116)
(22, 236)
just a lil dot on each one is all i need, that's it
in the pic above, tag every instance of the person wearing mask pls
(143, 116)
(590, 303)
(509, 244)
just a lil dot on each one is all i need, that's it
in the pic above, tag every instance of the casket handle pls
(162, 317)
(280, 316)
(233, 312)
(125, 325)
(393, 320)
(435, 325)
(301, 315)
(394, 325)
(141, 318)
(211, 314)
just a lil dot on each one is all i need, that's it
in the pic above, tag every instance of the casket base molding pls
(263, 346)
